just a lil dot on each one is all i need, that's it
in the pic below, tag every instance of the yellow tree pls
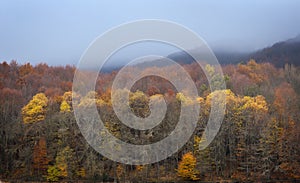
(89, 99)
(253, 70)
(253, 116)
(185, 100)
(35, 110)
(65, 166)
(138, 102)
(187, 167)
(212, 158)
(65, 107)
(70, 98)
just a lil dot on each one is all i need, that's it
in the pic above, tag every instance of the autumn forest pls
(258, 140)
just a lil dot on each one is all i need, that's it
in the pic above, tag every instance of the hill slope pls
(280, 53)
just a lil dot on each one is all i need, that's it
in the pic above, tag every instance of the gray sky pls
(58, 31)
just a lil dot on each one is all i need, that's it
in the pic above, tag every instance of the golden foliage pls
(187, 167)
(253, 71)
(35, 110)
(89, 99)
(53, 174)
(65, 107)
(257, 103)
(185, 100)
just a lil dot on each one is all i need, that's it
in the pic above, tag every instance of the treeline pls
(258, 140)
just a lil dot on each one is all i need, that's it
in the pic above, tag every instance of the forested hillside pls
(280, 53)
(258, 140)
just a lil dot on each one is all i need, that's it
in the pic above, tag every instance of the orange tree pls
(187, 167)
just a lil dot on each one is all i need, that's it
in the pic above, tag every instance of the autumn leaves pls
(35, 110)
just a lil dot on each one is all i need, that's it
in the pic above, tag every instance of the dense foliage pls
(258, 140)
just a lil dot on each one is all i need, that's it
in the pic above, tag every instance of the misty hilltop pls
(278, 54)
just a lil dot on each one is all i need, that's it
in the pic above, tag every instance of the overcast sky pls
(58, 31)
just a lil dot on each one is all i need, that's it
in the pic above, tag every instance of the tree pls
(64, 165)
(65, 162)
(271, 142)
(215, 77)
(204, 161)
(138, 103)
(40, 159)
(65, 107)
(187, 167)
(286, 101)
(35, 110)
(89, 99)
(253, 70)
(185, 100)
(120, 171)
(53, 174)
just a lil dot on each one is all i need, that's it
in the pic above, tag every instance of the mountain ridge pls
(278, 54)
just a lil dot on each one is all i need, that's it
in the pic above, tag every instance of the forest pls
(257, 142)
